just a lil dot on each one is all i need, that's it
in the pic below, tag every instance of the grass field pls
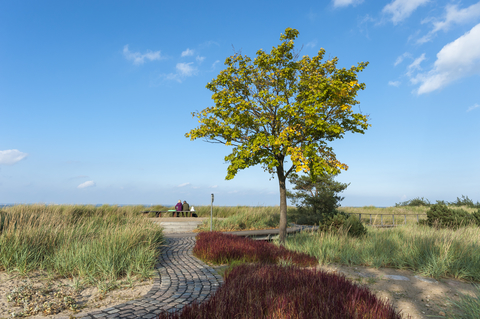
(110, 242)
(101, 243)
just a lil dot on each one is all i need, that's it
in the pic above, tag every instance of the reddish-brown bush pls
(276, 292)
(219, 248)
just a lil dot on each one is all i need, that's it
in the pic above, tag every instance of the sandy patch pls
(417, 296)
(60, 293)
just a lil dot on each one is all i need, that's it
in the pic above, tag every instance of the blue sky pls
(96, 96)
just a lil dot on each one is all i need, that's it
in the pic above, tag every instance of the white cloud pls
(401, 58)
(215, 64)
(394, 83)
(183, 70)
(415, 65)
(139, 58)
(10, 157)
(86, 184)
(183, 185)
(344, 3)
(457, 59)
(214, 186)
(186, 69)
(200, 58)
(311, 44)
(188, 52)
(402, 9)
(473, 107)
(452, 16)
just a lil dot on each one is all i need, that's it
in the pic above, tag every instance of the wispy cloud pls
(457, 59)
(452, 16)
(10, 157)
(401, 58)
(188, 52)
(415, 65)
(183, 185)
(200, 58)
(311, 44)
(139, 58)
(87, 184)
(214, 186)
(402, 9)
(186, 69)
(215, 64)
(394, 83)
(473, 107)
(345, 3)
(183, 70)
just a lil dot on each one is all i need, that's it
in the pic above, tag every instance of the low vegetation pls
(428, 251)
(97, 243)
(219, 248)
(288, 293)
(440, 215)
(468, 305)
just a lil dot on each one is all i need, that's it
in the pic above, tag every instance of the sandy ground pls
(46, 288)
(418, 297)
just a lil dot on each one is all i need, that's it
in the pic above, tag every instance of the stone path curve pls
(181, 279)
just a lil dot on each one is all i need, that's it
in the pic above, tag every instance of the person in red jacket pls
(179, 207)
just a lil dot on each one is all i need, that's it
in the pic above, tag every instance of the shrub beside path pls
(180, 280)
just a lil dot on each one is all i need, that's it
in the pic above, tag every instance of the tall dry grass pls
(427, 251)
(101, 243)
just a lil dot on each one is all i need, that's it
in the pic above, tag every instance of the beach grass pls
(94, 243)
(425, 250)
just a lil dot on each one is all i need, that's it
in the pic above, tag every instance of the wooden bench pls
(158, 213)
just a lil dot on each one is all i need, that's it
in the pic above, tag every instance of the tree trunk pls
(283, 205)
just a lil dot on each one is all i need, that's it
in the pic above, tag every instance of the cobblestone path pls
(182, 279)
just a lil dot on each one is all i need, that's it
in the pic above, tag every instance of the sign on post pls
(211, 215)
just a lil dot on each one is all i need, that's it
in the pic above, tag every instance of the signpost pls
(211, 215)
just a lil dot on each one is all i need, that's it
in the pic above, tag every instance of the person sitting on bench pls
(178, 207)
(185, 208)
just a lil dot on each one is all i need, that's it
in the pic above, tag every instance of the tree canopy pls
(280, 109)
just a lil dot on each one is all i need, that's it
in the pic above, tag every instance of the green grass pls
(104, 243)
(230, 211)
(427, 251)
(469, 306)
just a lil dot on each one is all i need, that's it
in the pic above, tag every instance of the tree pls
(320, 197)
(279, 108)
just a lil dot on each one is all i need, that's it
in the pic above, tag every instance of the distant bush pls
(414, 202)
(344, 222)
(219, 248)
(464, 201)
(442, 216)
(272, 291)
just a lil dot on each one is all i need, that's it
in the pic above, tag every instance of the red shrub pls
(273, 292)
(220, 248)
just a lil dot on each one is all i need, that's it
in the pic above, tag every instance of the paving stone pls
(180, 280)
(395, 277)
(429, 280)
